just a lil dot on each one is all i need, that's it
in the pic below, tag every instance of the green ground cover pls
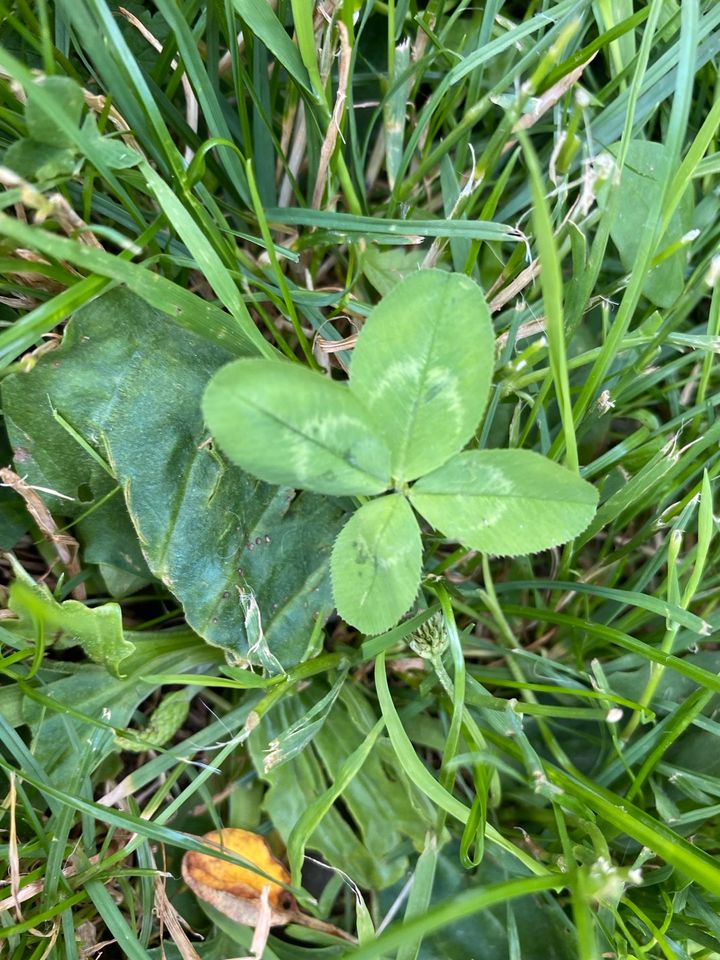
(442, 630)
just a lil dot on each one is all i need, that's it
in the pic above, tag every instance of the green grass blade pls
(189, 311)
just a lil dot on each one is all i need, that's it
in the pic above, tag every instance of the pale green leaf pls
(641, 191)
(288, 425)
(98, 630)
(39, 161)
(67, 99)
(385, 268)
(117, 155)
(505, 502)
(375, 564)
(422, 367)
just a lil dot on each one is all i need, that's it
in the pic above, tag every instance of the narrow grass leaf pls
(188, 310)
(623, 640)
(264, 23)
(462, 905)
(307, 824)
(413, 766)
(206, 258)
(116, 923)
(27, 329)
(630, 819)
(552, 288)
(205, 88)
(345, 223)
(395, 111)
(420, 894)
(625, 598)
(303, 12)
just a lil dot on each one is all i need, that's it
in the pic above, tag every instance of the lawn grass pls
(529, 765)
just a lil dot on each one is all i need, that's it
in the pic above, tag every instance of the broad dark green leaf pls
(285, 424)
(376, 564)
(380, 810)
(14, 519)
(422, 367)
(505, 502)
(50, 457)
(218, 948)
(544, 930)
(233, 550)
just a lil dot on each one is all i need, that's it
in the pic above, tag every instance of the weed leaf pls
(505, 502)
(641, 187)
(98, 630)
(288, 425)
(235, 552)
(422, 368)
(376, 563)
(68, 100)
(34, 160)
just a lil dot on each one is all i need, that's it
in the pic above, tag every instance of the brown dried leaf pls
(66, 547)
(169, 917)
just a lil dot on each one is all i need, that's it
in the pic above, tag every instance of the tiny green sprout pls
(394, 435)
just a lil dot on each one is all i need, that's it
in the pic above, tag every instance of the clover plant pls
(393, 437)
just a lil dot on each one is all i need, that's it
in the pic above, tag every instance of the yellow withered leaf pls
(241, 894)
(216, 874)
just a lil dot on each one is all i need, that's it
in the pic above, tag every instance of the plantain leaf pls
(376, 564)
(285, 424)
(422, 368)
(505, 502)
(366, 836)
(247, 561)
